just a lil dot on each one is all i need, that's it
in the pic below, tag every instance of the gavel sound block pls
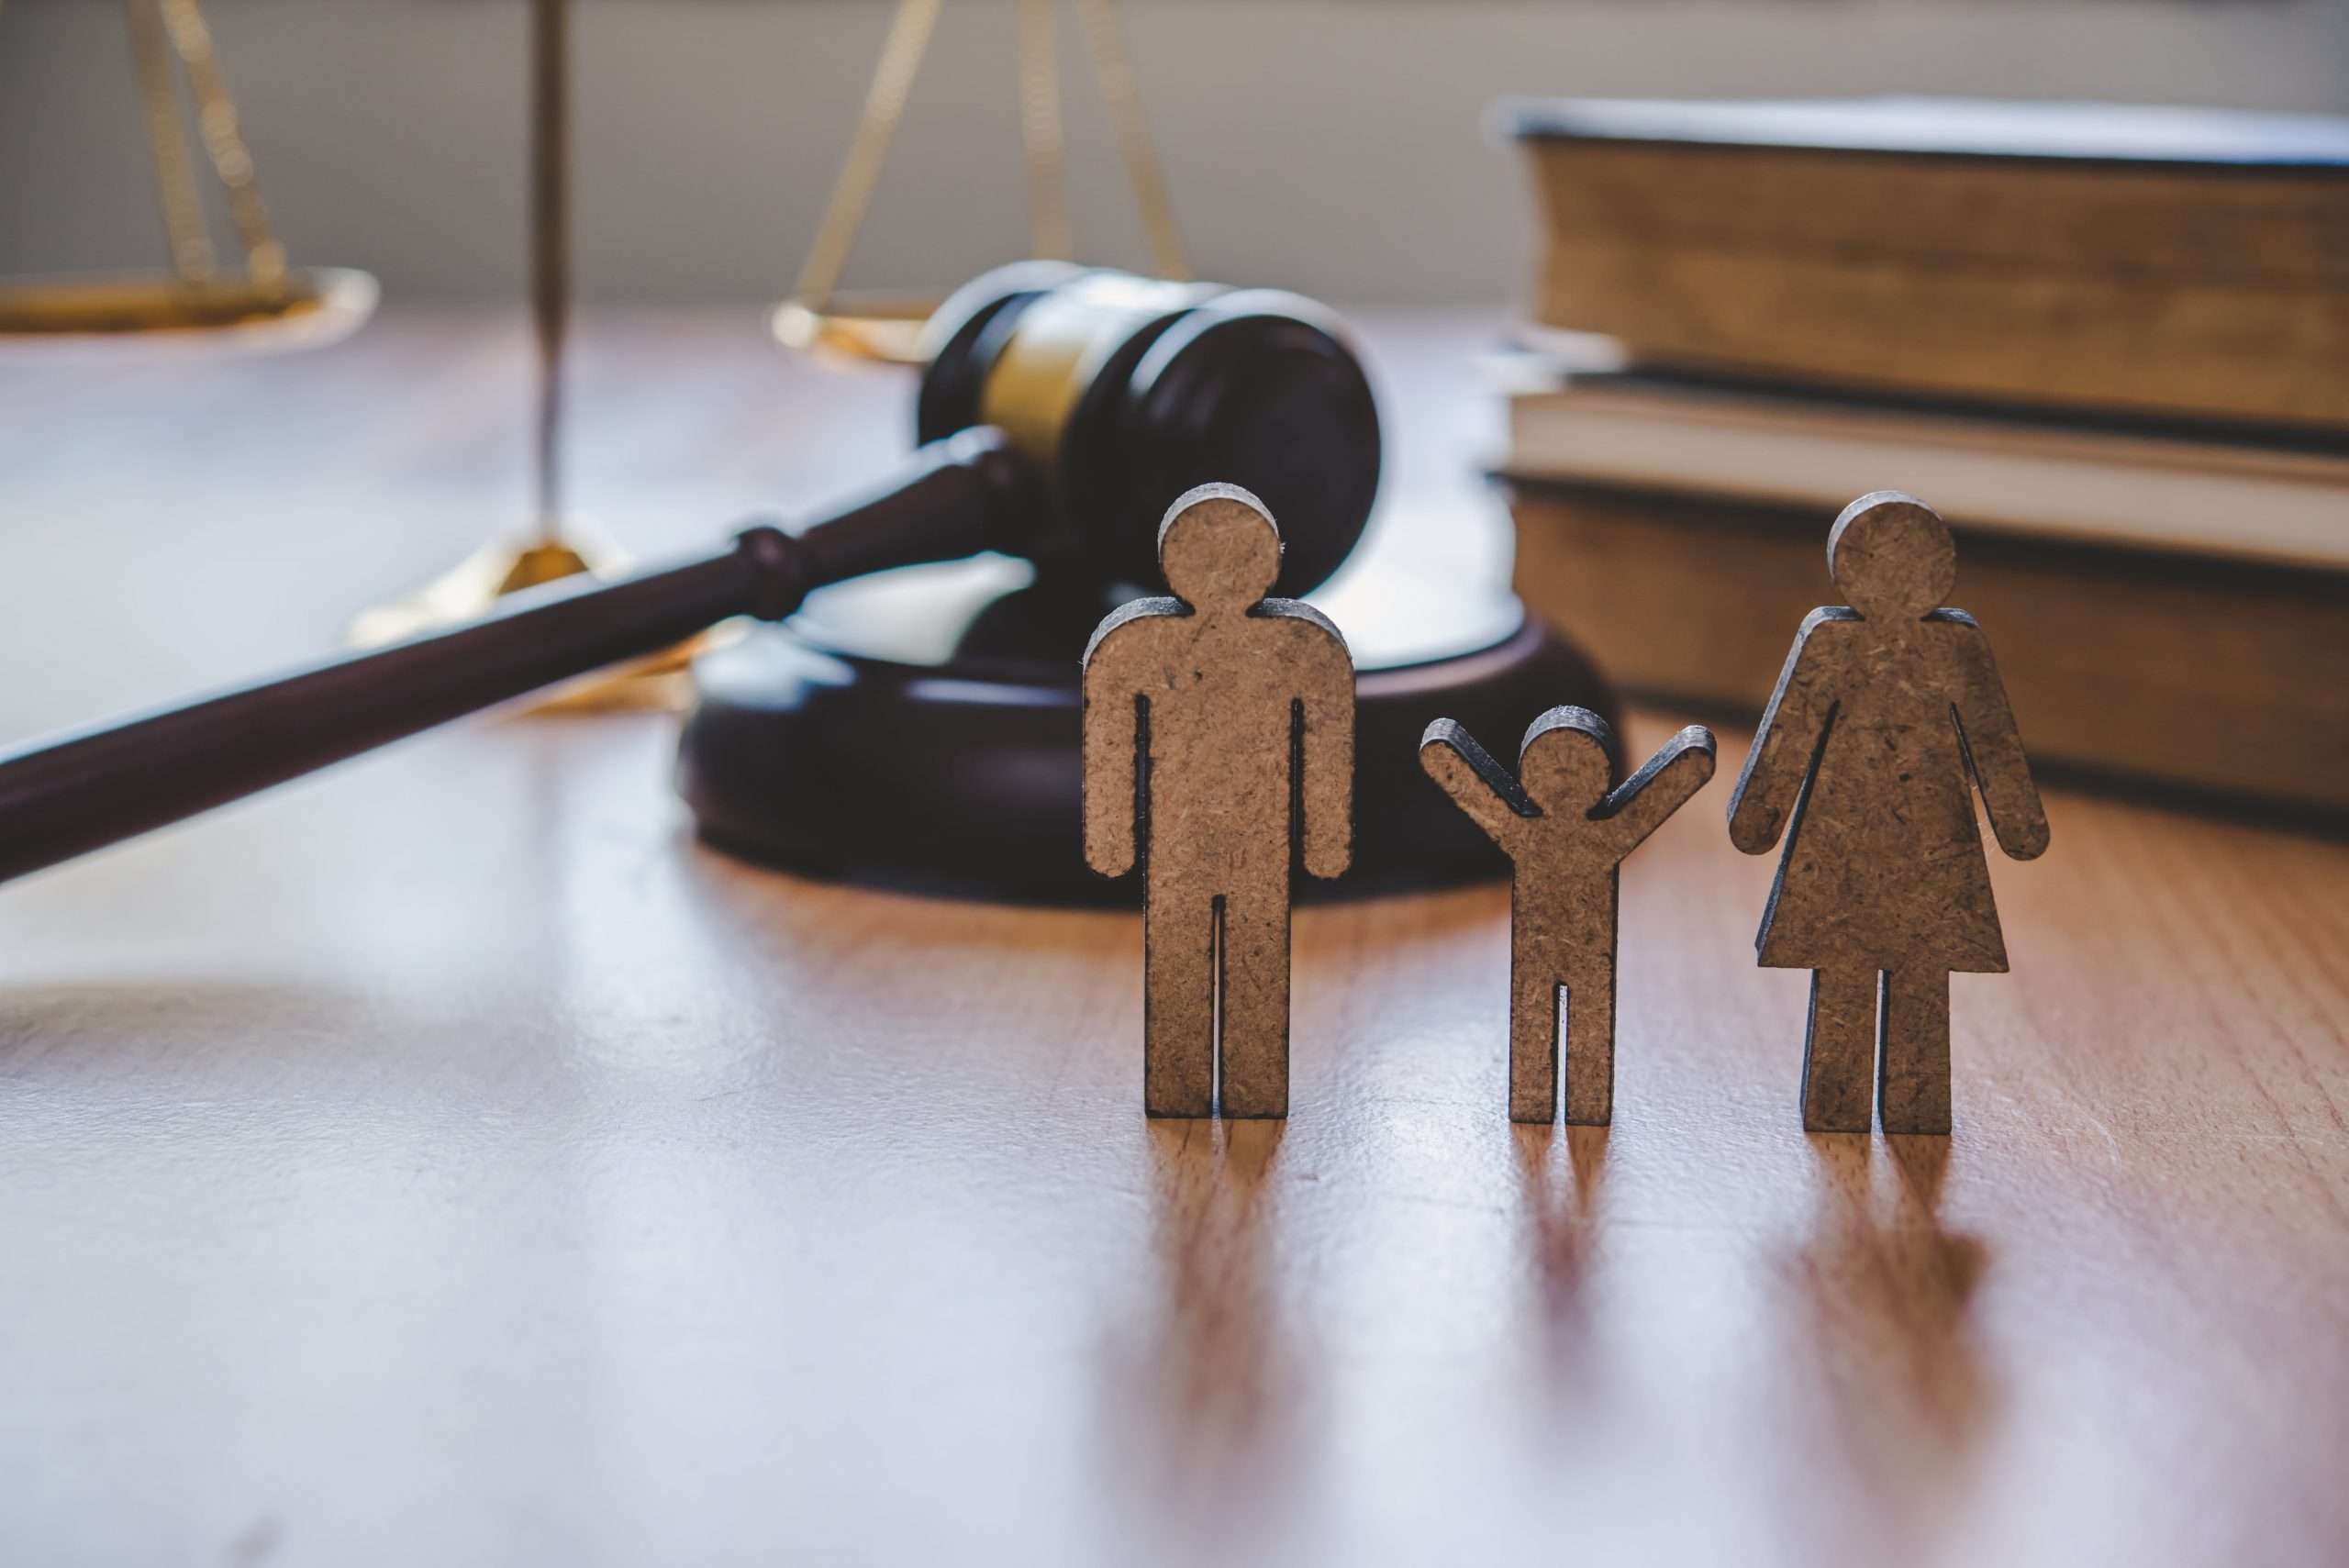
(924, 733)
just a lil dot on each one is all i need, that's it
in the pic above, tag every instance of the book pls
(2243, 494)
(2222, 677)
(2185, 261)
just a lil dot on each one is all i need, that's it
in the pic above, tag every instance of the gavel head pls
(1126, 392)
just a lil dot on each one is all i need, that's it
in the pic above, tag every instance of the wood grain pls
(447, 1159)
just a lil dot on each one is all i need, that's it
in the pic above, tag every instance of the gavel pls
(1060, 410)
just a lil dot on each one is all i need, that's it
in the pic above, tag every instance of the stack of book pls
(2109, 346)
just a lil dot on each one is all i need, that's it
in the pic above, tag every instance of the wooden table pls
(446, 1159)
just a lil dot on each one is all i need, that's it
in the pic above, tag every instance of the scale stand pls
(818, 318)
(503, 565)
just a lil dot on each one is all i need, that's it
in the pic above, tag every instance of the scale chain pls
(884, 106)
(1115, 73)
(224, 141)
(158, 28)
(1050, 233)
(184, 224)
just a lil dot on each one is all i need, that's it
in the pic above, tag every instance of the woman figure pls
(1887, 715)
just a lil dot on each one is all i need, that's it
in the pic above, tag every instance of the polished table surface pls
(446, 1159)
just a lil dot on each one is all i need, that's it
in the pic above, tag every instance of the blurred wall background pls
(1330, 145)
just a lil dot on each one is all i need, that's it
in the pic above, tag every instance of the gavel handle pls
(67, 797)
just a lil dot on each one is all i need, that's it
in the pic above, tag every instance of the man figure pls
(1566, 833)
(1206, 716)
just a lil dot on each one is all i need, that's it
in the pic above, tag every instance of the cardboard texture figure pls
(1213, 721)
(1566, 834)
(1887, 718)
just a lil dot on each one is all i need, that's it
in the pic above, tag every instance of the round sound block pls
(921, 729)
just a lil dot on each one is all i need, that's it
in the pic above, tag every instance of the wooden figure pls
(1887, 718)
(1213, 721)
(1566, 833)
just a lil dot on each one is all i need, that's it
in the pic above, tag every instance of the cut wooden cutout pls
(1219, 732)
(1887, 716)
(1567, 833)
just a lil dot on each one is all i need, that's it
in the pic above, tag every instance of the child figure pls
(1567, 833)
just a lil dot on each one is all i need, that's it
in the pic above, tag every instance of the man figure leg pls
(1179, 1003)
(1255, 1003)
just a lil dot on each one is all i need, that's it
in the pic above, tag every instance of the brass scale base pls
(473, 587)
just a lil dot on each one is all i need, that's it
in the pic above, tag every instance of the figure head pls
(1568, 760)
(1892, 557)
(1218, 549)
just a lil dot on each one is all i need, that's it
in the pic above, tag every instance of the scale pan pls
(882, 329)
(142, 316)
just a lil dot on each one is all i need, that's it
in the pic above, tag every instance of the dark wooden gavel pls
(1060, 411)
